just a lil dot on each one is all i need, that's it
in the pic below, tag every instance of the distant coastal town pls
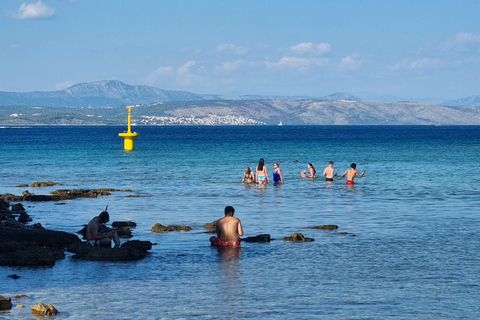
(208, 120)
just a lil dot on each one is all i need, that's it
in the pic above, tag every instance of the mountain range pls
(104, 103)
(115, 93)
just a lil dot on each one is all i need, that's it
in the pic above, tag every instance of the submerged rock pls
(325, 227)
(298, 237)
(258, 238)
(45, 184)
(44, 309)
(161, 228)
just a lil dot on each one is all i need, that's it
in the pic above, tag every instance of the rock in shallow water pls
(44, 309)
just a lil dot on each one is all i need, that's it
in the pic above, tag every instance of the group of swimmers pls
(261, 176)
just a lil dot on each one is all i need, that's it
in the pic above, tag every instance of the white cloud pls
(159, 73)
(351, 63)
(424, 63)
(462, 42)
(297, 63)
(184, 76)
(311, 48)
(231, 48)
(228, 67)
(181, 75)
(36, 10)
(64, 85)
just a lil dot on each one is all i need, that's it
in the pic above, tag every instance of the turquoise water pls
(414, 215)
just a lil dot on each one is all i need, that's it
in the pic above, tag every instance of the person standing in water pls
(277, 173)
(311, 171)
(262, 172)
(351, 173)
(248, 176)
(329, 172)
(229, 230)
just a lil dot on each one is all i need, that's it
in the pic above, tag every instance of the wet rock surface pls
(161, 228)
(298, 237)
(211, 226)
(58, 195)
(44, 309)
(129, 251)
(258, 238)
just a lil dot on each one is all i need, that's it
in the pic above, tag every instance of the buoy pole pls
(129, 136)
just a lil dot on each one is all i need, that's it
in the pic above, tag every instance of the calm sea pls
(411, 224)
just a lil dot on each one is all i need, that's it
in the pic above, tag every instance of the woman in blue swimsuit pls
(262, 173)
(277, 174)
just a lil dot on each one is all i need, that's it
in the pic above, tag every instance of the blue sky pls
(377, 50)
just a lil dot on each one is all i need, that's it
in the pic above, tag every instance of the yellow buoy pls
(129, 136)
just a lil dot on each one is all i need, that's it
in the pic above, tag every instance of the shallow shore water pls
(406, 247)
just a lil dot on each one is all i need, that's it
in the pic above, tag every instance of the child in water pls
(304, 174)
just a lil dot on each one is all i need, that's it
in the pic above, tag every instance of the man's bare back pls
(229, 229)
(351, 173)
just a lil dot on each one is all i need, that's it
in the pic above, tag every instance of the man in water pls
(248, 176)
(100, 236)
(229, 230)
(329, 172)
(351, 173)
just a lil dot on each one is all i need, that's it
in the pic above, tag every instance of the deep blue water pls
(414, 215)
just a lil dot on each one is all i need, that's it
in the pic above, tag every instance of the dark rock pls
(121, 224)
(22, 186)
(21, 296)
(139, 245)
(298, 237)
(5, 303)
(325, 227)
(38, 226)
(112, 254)
(44, 309)
(124, 232)
(24, 217)
(12, 223)
(13, 276)
(259, 238)
(38, 237)
(79, 247)
(4, 206)
(161, 228)
(32, 256)
(18, 207)
(212, 226)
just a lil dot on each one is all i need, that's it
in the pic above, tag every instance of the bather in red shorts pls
(350, 182)
(216, 241)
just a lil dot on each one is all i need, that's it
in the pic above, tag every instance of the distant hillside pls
(117, 93)
(99, 94)
(248, 112)
(472, 101)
